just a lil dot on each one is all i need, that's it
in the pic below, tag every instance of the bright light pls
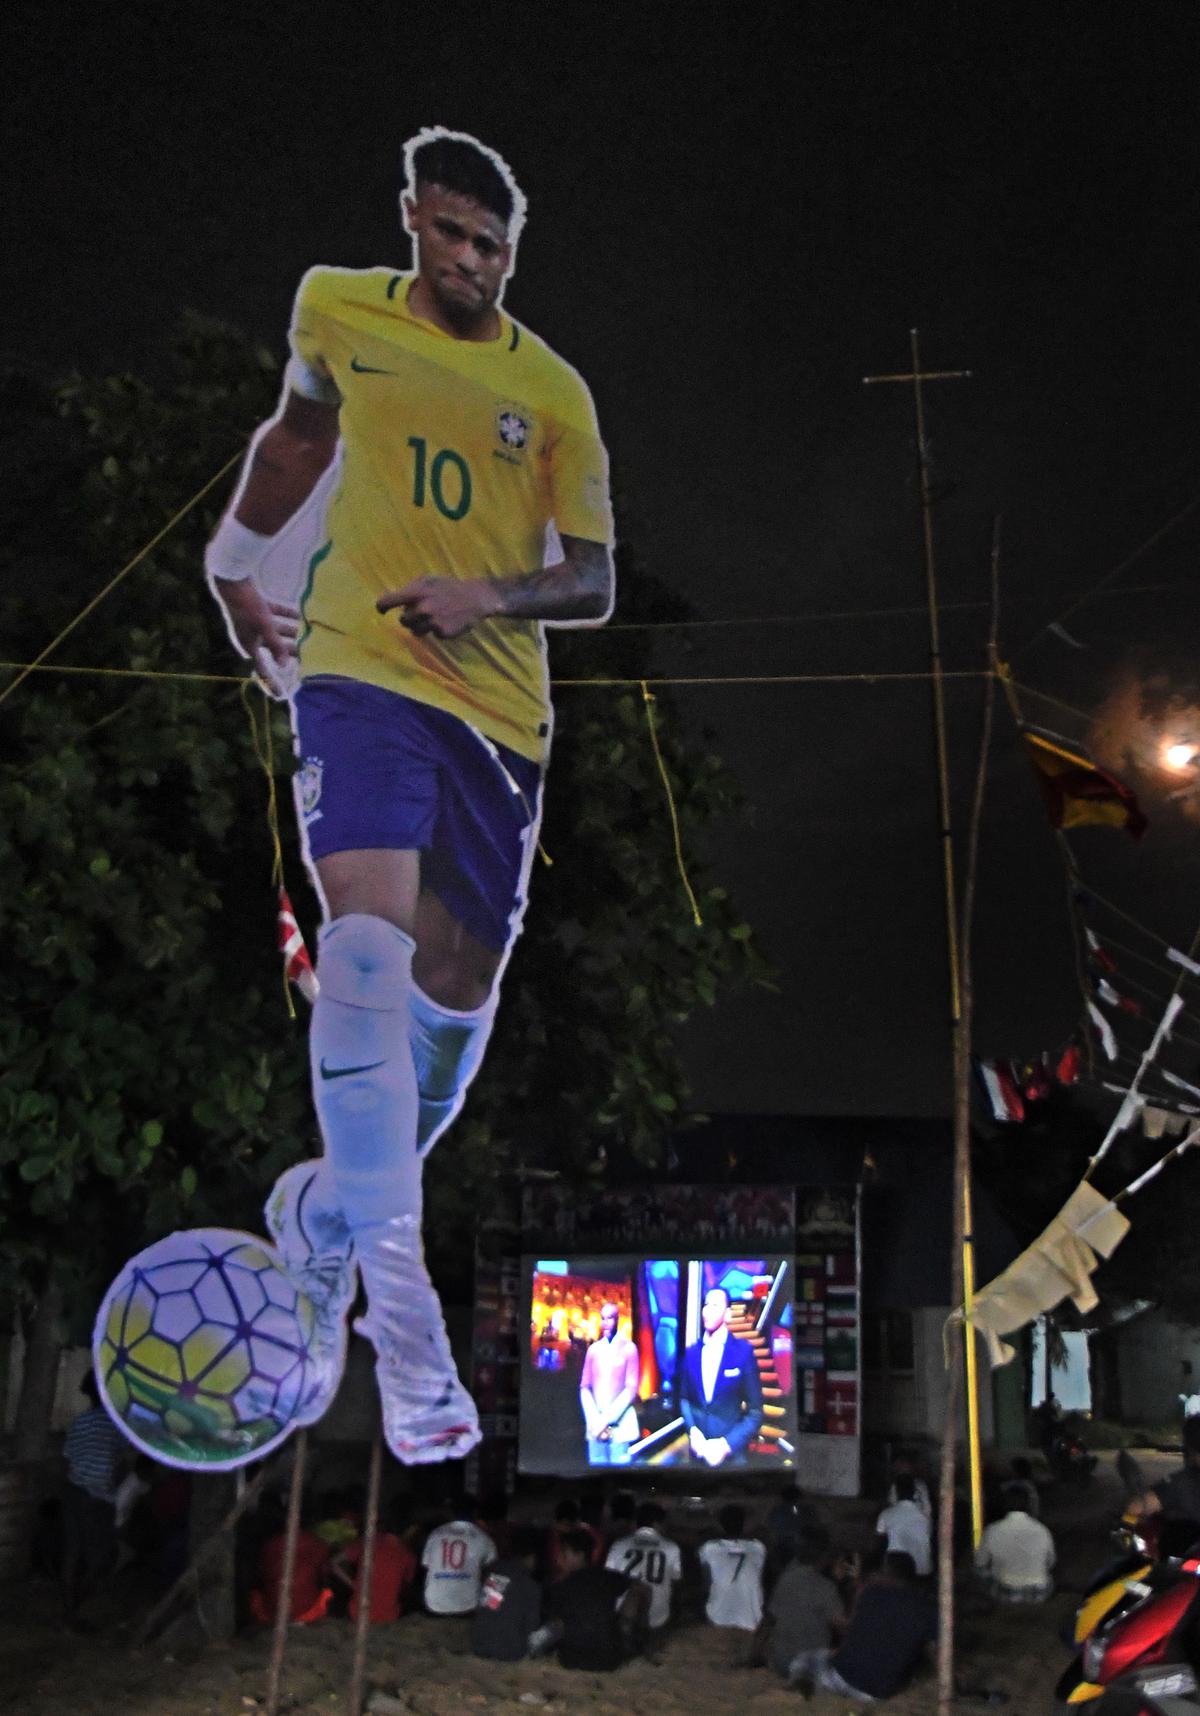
(1179, 756)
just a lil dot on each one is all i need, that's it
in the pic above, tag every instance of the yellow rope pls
(126, 673)
(557, 684)
(128, 567)
(648, 699)
(264, 751)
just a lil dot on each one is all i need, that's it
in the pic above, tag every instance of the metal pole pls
(283, 1609)
(366, 1568)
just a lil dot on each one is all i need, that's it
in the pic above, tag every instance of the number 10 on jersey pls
(429, 479)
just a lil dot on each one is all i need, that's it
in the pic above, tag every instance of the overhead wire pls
(89, 607)
(1142, 549)
(818, 616)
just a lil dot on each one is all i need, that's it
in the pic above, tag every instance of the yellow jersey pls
(457, 456)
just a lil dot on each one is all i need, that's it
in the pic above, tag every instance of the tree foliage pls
(151, 1076)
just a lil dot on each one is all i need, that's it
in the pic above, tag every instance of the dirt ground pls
(425, 1665)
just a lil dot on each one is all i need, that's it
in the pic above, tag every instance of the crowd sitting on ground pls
(599, 1583)
(594, 1587)
(596, 1591)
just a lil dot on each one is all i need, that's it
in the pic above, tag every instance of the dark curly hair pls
(460, 163)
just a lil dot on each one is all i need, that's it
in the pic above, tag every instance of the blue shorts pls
(377, 770)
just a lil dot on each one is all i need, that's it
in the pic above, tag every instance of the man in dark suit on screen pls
(721, 1392)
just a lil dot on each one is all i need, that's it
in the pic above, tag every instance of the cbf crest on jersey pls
(514, 427)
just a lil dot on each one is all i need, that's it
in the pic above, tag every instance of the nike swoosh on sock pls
(345, 1072)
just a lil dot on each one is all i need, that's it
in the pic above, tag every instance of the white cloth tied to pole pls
(1058, 1265)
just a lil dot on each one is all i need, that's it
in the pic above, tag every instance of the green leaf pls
(152, 1134)
(188, 1181)
(36, 1168)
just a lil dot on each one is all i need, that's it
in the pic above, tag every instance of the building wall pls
(910, 1405)
(1151, 1355)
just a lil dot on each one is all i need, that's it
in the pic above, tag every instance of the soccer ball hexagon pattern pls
(204, 1350)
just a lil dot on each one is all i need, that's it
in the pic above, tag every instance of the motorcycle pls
(1068, 1457)
(1125, 1703)
(1139, 1543)
(1148, 1646)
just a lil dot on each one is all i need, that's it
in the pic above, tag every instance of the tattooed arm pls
(577, 588)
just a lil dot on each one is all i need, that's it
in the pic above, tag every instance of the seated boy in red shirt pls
(310, 1589)
(393, 1571)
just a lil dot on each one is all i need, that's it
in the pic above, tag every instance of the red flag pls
(297, 966)
(1077, 791)
(1098, 952)
(1113, 997)
(1067, 1070)
(1002, 1090)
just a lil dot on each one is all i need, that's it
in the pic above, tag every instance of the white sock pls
(365, 1089)
(364, 1083)
(448, 1048)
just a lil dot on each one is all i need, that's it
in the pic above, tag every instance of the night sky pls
(735, 214)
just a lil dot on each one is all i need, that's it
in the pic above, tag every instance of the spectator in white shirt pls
(1015, 1557)
(904, 1466)
(651, 1559)
(454, 1558)
(733, 1573)
(1021, 1483)
(905, 1528)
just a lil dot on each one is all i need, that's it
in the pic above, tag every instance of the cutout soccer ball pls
(204, 1351)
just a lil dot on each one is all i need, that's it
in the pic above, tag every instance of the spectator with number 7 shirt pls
(733, 1569)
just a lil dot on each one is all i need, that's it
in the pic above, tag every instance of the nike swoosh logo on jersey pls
(345, 1072)
(368, 369)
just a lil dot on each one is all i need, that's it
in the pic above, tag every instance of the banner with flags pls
(1011, 1086)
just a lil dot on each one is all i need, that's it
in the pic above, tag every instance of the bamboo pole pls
(187, 1578)
(283, 1608)
(962, 1248)
(963, 1269)
(947, 1496)
(366, 1569)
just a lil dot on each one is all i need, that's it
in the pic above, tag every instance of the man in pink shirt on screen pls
(607, 1391)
